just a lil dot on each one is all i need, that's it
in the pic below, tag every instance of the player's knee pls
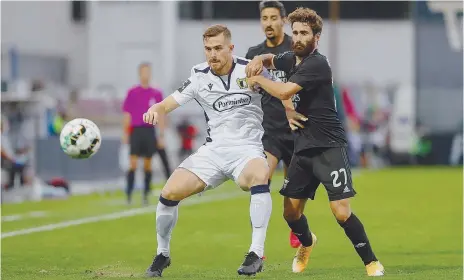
(147, 165)
(291, 214)
(341, 214)
(342, 217)
(260, 178)
(341, 210)
(170, 195)
(133, 163)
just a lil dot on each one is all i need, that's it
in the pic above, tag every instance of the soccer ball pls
(80, 138)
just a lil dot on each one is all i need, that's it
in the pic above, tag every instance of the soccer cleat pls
(294, 241)
(159, 264)
(375, 268)
(301, 259)
(252, 264)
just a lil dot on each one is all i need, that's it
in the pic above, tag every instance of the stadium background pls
(397, 69)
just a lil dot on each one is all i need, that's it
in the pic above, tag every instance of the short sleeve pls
(284, 61)
(187, 91)
(125, 104)
(158, 95)
(311, 72)
(269, 76)
(249, 54)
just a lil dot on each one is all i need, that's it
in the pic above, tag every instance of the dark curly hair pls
(308, 16)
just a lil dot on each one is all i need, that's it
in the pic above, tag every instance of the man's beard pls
(306, 50)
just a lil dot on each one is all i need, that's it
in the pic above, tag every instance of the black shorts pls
(279, 145)
(143, 142)
(311, 167)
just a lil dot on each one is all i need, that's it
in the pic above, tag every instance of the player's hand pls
(151, 117)
(253, 84)
(294, 119)
(254, 67)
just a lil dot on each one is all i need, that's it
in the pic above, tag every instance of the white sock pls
(166, 218)
(260, 213)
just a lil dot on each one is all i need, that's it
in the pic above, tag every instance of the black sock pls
(354, 229)
(301, 229)
(130, 183)
(147, 182)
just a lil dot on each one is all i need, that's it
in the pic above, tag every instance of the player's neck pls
(226, 69)
(276, 41)
(145, 84)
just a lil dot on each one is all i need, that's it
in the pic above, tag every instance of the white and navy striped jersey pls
(233, 112)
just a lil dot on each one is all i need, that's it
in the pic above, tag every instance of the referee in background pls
(143, 140)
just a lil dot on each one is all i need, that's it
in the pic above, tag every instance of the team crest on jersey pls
(231, 101)
(242, 83)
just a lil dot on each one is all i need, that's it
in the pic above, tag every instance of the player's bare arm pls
(159, 110)
(282, 91)
(255, 66)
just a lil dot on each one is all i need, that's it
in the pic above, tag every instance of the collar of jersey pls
(226, 86)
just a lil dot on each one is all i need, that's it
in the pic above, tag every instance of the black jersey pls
(274, 112)
(316, 100)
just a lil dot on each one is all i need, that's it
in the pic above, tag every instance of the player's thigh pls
(250, 169)
(332, 168)
(181, 184)
(288, 145)
(272, 162)
(300, 182)
(272, 150)
(202, 164)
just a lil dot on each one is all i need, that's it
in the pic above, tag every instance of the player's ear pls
(318, 36)
(231, 47)
(284, 20)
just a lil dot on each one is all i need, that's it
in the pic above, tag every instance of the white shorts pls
(215, 165)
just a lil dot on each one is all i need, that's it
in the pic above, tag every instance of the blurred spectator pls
(187, 132)
(15, 155)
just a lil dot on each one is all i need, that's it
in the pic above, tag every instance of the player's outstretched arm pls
(283, 91)
(294, 118)
(255, 66)
(159, 110)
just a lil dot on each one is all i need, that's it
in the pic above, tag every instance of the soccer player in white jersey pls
(233, 148)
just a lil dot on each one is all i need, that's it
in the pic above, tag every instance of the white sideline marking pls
(17, 217)
(118, 215)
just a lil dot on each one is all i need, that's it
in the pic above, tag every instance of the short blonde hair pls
(216, 30)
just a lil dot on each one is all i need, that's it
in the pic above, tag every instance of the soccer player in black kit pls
(320, 147)
(277, 139)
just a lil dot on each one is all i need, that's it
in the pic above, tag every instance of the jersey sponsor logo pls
(278, 75)
(242, 83)
(210, 86)
(184, 85)
(231, 101)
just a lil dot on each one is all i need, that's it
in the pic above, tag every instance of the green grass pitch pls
(413, 217)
